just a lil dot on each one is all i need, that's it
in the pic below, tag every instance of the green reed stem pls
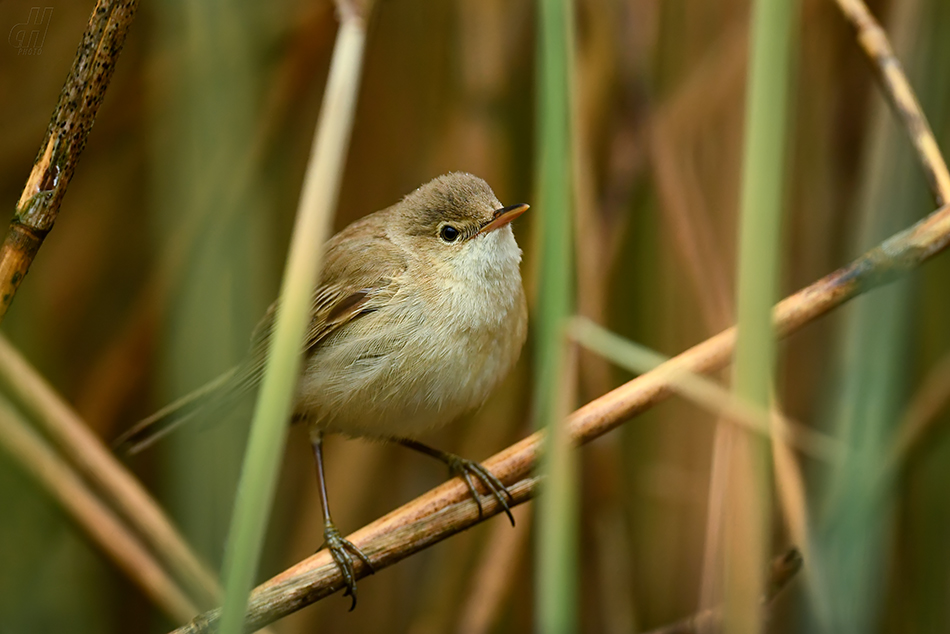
(272, 412)
(556, 571)
(747, 497)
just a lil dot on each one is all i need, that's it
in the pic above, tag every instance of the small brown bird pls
(419, 314)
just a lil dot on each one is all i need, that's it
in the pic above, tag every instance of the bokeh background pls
(172, 238)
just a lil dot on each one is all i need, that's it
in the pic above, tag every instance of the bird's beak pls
(502, 217)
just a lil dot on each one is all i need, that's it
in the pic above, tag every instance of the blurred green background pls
(172, 239)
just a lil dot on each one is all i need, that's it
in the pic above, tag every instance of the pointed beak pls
(502, 217)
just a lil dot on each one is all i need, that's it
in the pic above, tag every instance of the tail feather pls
(212, 395)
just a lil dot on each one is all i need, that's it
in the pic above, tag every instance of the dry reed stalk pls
(29, 449)
(86, 453)
(790, 486)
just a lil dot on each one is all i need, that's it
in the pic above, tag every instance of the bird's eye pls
(449, 233)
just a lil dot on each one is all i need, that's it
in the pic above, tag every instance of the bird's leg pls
(465, 469)
(340, 548)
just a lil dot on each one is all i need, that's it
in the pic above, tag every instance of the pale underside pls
(392, 359)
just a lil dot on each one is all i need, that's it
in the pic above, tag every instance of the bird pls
(418, 315)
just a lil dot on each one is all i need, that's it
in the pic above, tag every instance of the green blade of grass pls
(703, 391)
(556, 571)
(273, 408)
(747, 495)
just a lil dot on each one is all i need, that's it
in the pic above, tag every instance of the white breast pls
(427, 357)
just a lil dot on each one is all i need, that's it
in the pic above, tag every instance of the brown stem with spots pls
(65, 139)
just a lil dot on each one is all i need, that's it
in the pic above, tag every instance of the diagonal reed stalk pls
(705, 392)
(36, 458)
(874, 42)
(449, 509)
(312, 229)
(93, 460)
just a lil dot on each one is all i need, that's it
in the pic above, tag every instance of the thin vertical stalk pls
(273, 408)
(556, 571)
(747, 495)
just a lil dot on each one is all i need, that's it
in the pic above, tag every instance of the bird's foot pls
(465, 469)
(342, 550)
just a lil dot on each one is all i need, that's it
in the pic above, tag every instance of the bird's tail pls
(211, 396)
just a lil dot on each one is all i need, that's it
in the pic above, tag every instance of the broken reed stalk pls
(448, 509)
(69, 127)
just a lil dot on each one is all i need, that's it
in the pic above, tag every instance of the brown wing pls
(361, 274)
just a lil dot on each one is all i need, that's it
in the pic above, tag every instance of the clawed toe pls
(465, 469)
(342, 550)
